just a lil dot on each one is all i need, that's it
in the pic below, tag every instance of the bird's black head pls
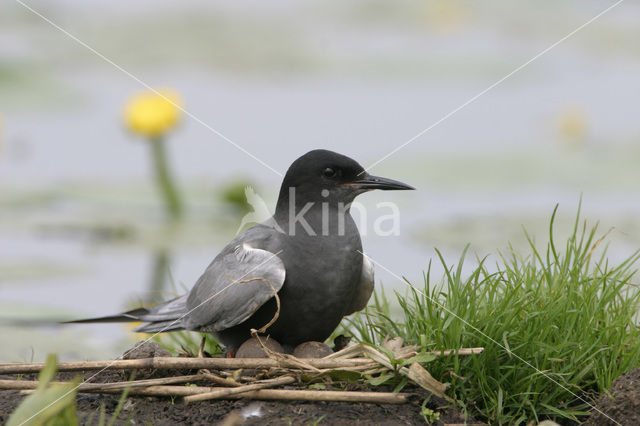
(326, 176)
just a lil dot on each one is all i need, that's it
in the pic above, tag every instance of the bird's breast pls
(323, 272)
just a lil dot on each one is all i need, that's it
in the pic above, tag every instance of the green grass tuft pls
(557, 326)
(188, 342)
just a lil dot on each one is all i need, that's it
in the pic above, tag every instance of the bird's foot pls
(230, 354)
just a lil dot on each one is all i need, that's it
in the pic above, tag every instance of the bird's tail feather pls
(166, 316)
(160, 326)
(129, 316)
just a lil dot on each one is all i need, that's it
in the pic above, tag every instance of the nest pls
(261, 378)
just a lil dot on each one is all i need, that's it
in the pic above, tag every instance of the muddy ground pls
(168, 411)
(622, 405)
(165, 411)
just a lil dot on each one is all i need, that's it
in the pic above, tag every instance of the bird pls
(293, 277)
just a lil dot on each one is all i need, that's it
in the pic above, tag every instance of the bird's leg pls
(201, 348)
(201, 355)
(230, 354)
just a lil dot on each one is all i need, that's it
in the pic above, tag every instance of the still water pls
(81, 228)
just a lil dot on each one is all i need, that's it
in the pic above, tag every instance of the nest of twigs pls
(260, 378)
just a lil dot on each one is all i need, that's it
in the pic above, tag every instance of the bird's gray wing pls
(233, 287)
(365, 287)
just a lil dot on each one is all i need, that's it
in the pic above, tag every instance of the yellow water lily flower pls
(572, 125)
(153, 114)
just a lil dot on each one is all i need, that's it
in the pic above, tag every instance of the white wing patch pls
(365, 287)
(368, 271)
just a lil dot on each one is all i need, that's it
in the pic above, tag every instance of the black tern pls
(300, 272)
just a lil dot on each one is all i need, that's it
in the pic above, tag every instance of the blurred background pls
(83, 227)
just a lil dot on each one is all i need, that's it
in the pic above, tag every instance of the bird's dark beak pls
(368, 182)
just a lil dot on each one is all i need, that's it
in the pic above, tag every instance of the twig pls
(117, 386)
(357, 349)
(219, 380)
(219, 394)
(363, 367)
(347, 352)
(167, 363)
(264, 394)
(152, 382)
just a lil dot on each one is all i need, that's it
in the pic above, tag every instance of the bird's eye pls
(329, 172)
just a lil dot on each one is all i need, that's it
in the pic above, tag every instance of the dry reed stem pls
(222, 393)
(219, 380)
(166, 363)
(263, 394)
(357, 349)
(116, 386)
